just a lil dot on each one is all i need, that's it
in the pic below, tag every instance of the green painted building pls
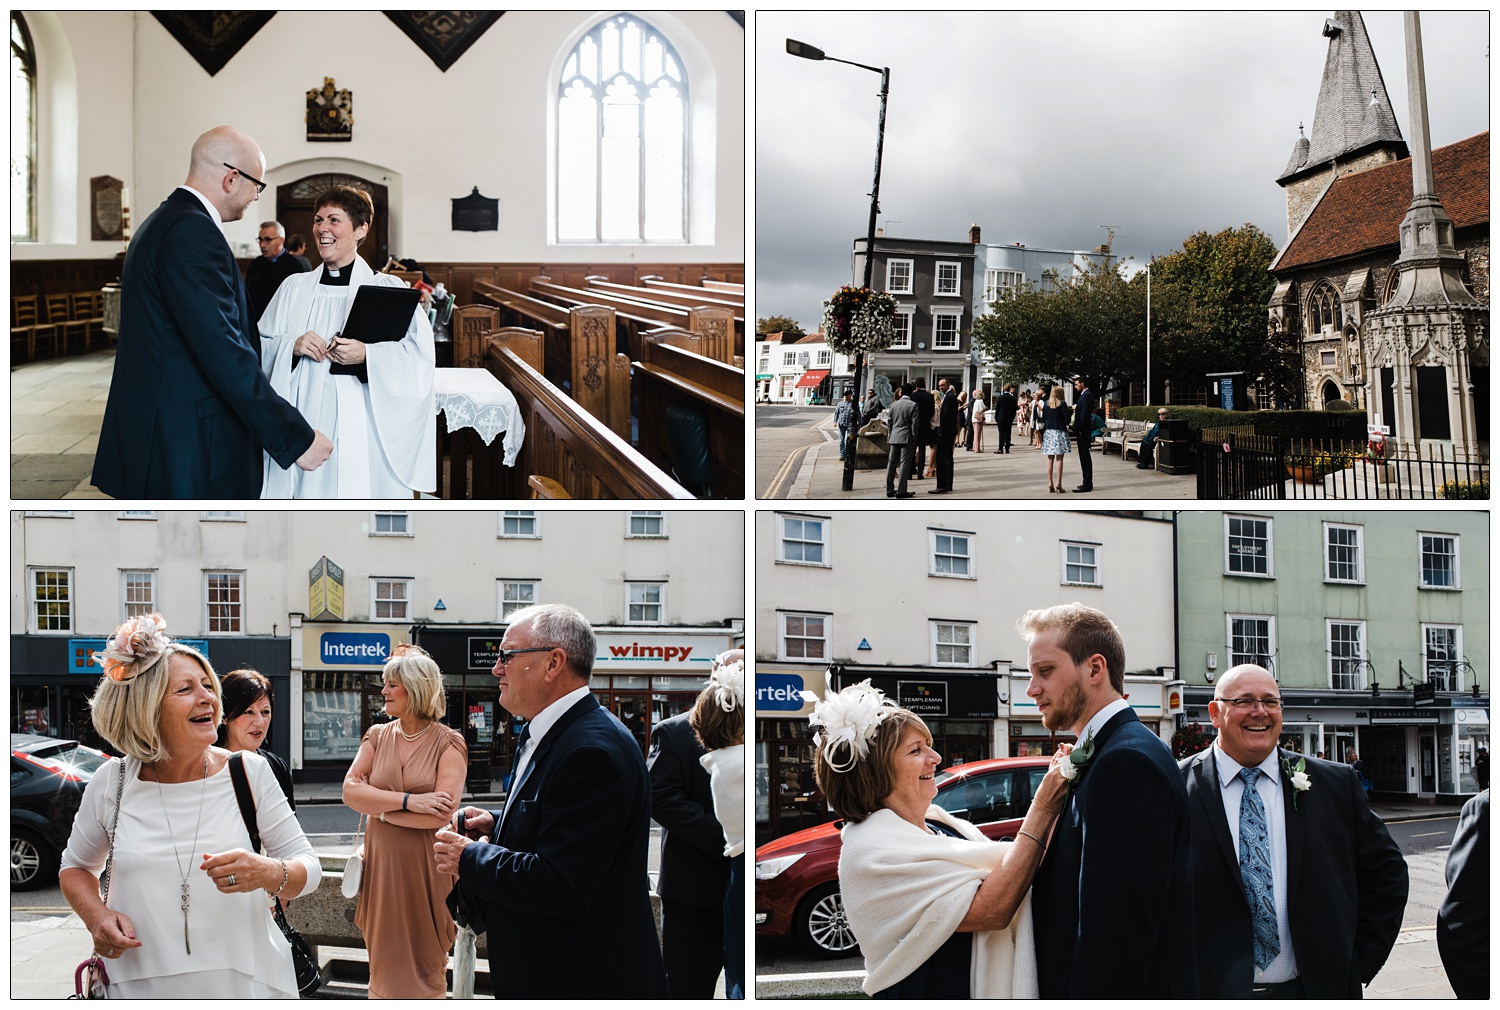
(1375, 624)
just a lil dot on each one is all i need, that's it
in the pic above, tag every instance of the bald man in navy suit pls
(189, 409)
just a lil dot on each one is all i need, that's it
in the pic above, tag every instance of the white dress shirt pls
(1104, 715)
(1269, 785)
(213, 211)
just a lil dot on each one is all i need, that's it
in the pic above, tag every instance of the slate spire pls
(1354, 111)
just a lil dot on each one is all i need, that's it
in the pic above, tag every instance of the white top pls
(232, 935)
(1283, 968)
(726, 778)
(384, 432)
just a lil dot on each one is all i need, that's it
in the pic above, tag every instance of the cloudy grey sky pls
(1042, 127)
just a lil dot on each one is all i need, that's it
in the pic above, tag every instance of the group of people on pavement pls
(183, 849)
(1244, 870)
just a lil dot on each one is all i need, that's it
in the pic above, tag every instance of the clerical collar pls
(337, 278)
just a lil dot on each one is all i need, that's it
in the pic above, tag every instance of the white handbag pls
(354, 868)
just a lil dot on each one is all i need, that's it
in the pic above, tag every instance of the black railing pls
(1236, 465)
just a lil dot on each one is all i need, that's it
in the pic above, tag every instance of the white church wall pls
(428, 135)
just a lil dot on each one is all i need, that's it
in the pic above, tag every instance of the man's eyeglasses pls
(260, 187)
(506, 655)
(1242, 704)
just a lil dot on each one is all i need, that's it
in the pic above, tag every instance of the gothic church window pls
(1324, 311)
(22, 131)
(622, 136)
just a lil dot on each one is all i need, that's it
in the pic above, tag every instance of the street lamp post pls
(807, 52)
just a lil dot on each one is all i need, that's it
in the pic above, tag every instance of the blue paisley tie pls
(1255, 870)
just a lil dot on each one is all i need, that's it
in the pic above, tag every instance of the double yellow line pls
(787, 469)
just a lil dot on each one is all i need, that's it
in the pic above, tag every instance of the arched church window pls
(622, 137)
(22, 131)
(1324, 309)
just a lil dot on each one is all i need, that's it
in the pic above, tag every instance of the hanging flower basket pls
(858, 321)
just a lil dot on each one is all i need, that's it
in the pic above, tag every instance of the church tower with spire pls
(1354, 126)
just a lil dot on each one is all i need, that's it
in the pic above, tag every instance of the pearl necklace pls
(176, 857)
(413, 737)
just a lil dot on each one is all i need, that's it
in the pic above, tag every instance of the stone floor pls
(56, 407)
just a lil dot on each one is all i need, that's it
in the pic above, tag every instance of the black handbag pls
(309, 978)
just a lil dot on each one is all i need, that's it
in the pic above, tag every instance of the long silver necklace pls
(176, 858)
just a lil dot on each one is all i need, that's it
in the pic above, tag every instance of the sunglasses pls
(260, 187)
(506, 655)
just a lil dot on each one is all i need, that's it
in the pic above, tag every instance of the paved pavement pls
(1021, 473)
(56, 408)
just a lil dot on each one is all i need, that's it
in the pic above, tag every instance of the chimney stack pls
(973, 234)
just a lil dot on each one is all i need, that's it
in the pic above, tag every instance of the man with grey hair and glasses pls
(1298, 888)
(561, 867)
(274, 265)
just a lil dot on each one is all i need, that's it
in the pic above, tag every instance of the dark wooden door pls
(294, 209)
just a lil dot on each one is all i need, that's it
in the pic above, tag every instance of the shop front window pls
(332, 725)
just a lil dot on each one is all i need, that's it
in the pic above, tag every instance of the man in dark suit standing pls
(1112, 902)
(274, 265)
(189, 409)
(1298, 887)
(1083, 428)
(694, 870)
(1463, 919)
(564, 881)
(1005, 416)
(922, 397)
(942, 442)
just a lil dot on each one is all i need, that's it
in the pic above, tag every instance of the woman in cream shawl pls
(915, 880)
(384, 430)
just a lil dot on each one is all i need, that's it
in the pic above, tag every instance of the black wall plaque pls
(476, 213)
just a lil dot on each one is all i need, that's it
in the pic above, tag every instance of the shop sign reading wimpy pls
(684, 652)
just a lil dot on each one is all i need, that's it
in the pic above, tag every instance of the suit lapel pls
(1208, 792)
(1294, 833)
(544, 747)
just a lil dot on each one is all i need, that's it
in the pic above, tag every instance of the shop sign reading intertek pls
(342, 648)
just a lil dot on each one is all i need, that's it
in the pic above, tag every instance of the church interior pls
(569, 185)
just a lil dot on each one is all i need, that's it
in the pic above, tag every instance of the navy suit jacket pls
(1346, 883)
(1083, 414)
(189, 408)
(926, 406)
(569, 907)
(694, 869)
(1112, 902)
(948, 416)
(1005, 408)
(1463, 919)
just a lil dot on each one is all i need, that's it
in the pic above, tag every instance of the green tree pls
(1208, 309)
(777, 324)
(1093, 325)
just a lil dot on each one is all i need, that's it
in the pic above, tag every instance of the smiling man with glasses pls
(190, 413)
(1298, 888)
(274, 265)
(561, 867)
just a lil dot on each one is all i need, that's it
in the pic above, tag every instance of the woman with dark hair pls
(381, 419)
(940, 910)
(247, 721)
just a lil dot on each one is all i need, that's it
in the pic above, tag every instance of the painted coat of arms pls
(330, 113)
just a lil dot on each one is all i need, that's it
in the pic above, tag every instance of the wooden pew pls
(580, 352)
(670, 376)
(719, 294)
(733, 286)
(471, 323)
(710, 345)
(567, 447)
(673, 299)
(642, 316)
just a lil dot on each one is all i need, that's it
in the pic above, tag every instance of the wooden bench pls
(734, 286)
(579, 351)
(1124, 435)
(673, 379)
(565, 444)
(680, 299)
(734, 297)
(639, 316)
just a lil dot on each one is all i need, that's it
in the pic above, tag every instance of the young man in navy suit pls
(564, 881)
(1333, 889)
(190, 411)
(1112, 900)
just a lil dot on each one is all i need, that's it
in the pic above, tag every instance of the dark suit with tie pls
(1083, 429)
(926, 407)
(694, 870)
(189, 408)
(1112, 901)
(1346, 883)
(1005, 417)
(942, 447)
(568, 899)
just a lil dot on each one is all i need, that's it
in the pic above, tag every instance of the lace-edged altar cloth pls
(473, 398)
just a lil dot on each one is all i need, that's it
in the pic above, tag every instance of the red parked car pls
(797, 876)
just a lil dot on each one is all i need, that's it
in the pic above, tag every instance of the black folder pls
(379, 314)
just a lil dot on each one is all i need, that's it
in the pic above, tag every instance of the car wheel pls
(32, 862)
(822, 927)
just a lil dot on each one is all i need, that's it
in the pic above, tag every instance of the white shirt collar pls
(1229, 769)
(213, 211)
(547, 717)
(1104, 715)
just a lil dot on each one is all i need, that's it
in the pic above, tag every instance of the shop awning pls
(812, 378)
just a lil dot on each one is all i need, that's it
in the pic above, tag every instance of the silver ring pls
(230, 879)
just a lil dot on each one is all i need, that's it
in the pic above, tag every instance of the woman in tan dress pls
(408, 777)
